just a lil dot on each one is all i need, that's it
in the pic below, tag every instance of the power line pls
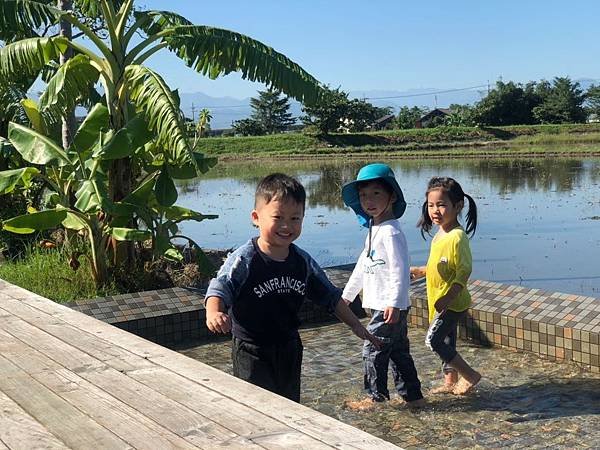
(422, 94)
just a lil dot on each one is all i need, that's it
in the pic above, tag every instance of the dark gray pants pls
(396, 347)
(275, 367)
(441, 336)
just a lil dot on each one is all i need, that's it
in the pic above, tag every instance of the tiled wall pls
(170, 317)
(550, 324)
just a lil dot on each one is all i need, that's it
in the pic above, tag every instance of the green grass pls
(416, 140)
(47, 273)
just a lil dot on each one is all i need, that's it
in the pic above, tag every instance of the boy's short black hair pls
(281, 187)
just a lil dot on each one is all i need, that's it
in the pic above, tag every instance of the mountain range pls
(225, 110)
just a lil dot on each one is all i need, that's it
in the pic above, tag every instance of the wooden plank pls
(332, 432)
(299, 417)
(241, 419)
(125, 422)
(75, 429)
(18, 430)
(230, 414)
(194, 427)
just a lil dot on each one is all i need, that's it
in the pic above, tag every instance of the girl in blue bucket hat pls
(382, 273)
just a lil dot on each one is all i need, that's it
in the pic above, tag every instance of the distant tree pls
(328, 114)
(592, 101)
(361, 115)
(437, 121)
(203, 125)
(562, 102)
(271, 111)
(407, 117)
(336, 112)
(248, 127)
(460, 116)
(507, 104)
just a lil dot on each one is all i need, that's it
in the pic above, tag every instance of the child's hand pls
(442, 304)
(218, 322)
(391, 314)
(445, 300)
(417, 272)
(364, 334)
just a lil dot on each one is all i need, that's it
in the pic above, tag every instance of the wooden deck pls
(70, 381)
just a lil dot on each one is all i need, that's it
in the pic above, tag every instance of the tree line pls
(507, 103)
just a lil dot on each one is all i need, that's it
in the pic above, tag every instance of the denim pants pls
(396, 348)
(275, 367)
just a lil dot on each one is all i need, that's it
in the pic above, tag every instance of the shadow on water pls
(539, 400)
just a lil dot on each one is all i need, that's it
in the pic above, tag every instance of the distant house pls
(382, 122)
(593, 118)
(424, 121)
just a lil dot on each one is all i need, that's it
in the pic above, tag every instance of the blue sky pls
(401, 45)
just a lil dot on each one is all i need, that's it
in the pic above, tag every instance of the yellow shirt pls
(449, 262)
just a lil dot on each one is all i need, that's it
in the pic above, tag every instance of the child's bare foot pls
(464, 386)
(365, 404)
(445, 388)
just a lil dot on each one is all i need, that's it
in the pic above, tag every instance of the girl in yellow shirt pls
(447, 271)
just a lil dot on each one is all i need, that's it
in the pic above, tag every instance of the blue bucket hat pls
(370, 172)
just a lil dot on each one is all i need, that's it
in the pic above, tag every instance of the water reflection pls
(538, 217)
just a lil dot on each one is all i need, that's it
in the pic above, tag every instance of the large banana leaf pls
(35, 147)
(149, 92)
(188, 170)
(157, 21)
(9, 179)
(214, 52)
(72, 81)
(20, 18)
(93, 195)
(29, 223)
(130, 234)
(26, 58)
(142, 193)
(179, 213)
(32, 111)
(87, 134)
(165, 191)
(125, 141)
(10, 103)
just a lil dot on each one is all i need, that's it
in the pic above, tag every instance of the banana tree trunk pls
(68, 122)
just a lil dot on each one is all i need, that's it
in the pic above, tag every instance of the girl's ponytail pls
(471, 217)
(425, 223)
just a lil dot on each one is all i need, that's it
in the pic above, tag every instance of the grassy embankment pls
(47, 273)
(533, 140)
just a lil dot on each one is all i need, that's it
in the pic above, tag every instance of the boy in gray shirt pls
(259, 290)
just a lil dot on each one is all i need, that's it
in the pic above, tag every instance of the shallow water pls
(522, 400)
(539, 219)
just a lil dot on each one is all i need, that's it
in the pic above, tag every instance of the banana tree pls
(77, 183)
(117, 63)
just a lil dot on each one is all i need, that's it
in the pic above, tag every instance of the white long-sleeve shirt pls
(384, 277)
